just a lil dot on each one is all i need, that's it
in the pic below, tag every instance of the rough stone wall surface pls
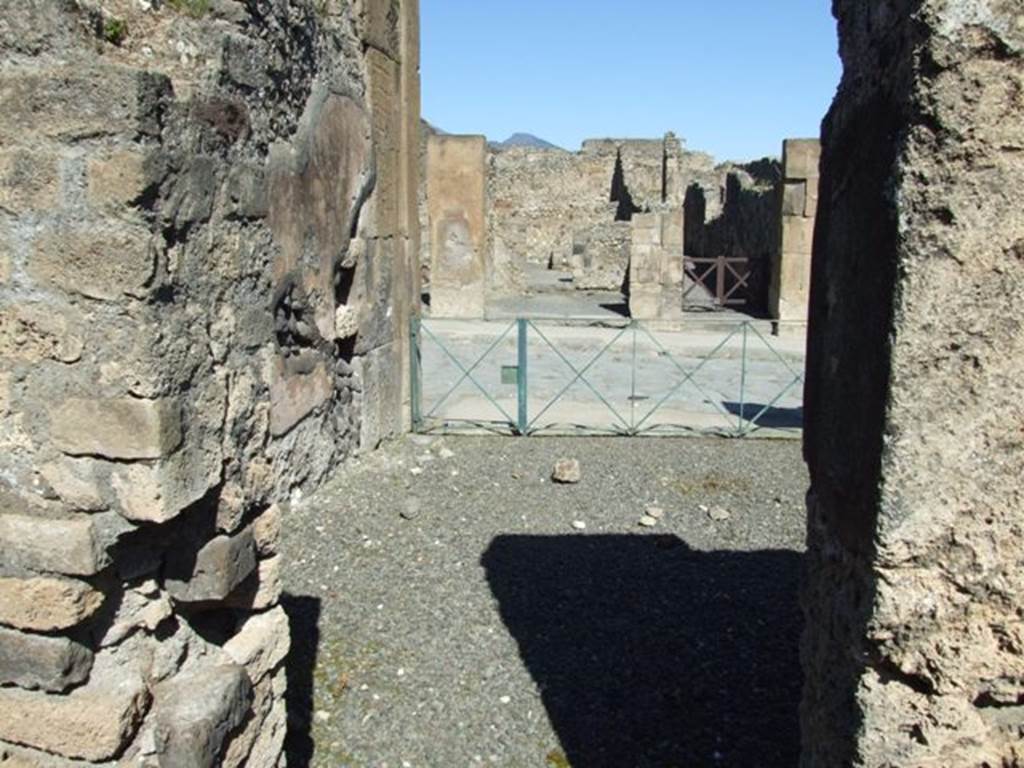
(914, 646)
(600, 256)
(544, 202)
(457, 205)
(207, 248)
(797, 205)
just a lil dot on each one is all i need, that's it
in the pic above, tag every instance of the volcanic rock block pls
(214, 571)
(94, 722)
(38, 661)
(196, 711)
(68, 546)
(125, 428)
(46, 604)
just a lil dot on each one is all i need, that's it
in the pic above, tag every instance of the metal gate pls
(531, 377)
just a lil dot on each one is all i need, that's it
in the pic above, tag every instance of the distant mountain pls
(524, 140)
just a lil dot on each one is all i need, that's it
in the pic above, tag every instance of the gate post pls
(522, 389)
(415, 392)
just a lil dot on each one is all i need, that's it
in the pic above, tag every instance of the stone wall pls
(545, 203)
(208, 241)
(914, 646)
(797, 205)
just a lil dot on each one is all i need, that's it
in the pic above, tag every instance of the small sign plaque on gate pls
(510, 374)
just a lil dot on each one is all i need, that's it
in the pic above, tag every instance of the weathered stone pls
(262, 590)
(6, 256)
(120, 178)
(293, 396)
(220, 566)
(76, 102)
(912, 648)
(567, 471)
(100, 264)
(456, 202)
(68, 546)
(260, 644)
(346, 322)
(41, 662)
(144, 495)
(94, 722)
(195, 712)
(800, 158)
(794, 198)
(266, 531)
(143, 607)
(44, 604)
(74, 481)
(28, 181)
(260, 741)
(34, 332)
(126, 428)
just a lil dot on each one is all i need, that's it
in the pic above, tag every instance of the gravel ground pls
(449, 608)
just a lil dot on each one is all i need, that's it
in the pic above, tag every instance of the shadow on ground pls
(770, 416)
(648, 653)
(304, 622)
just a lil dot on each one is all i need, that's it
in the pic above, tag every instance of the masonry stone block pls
(293, 396)
(797, 234)
(125, 428)
(800, 158)
(158, 491)
(77, 102)
(261, 643)
(74, 480)
(65, 546)
(192, 729)
(262, 589)
(120, 178)
(31, 332)
(384, 76)
(212, 572)
(46, 604)
(266, 531)
(794, 198)
(33, 661)
(94, 722)
(105, 263)
(28, 181)
(380, 31)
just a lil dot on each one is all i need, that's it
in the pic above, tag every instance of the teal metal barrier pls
(492, 408)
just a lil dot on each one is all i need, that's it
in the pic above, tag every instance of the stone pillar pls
(791, 262)
(914, 646)
(456, 200)
(656, 266)
(189, 332)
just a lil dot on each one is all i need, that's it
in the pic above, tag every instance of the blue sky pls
(731, 77)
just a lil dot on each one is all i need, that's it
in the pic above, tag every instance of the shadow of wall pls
(649, 653)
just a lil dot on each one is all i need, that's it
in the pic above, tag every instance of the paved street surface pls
(703, 376)
(453, 607)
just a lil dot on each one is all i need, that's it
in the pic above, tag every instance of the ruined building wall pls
(207, 252)
(547, 204)
(914, 647)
